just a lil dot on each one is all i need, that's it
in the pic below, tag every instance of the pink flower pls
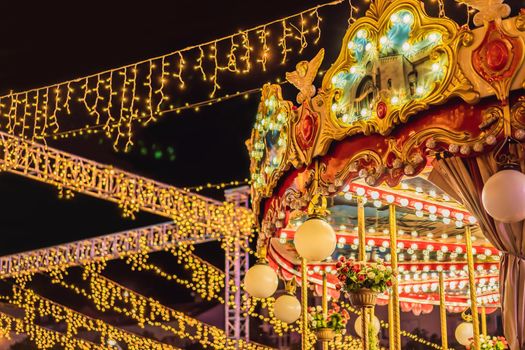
(361, 278)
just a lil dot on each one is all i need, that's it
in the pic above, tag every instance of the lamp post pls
(395, 322)
(443, 312)
(472, 287)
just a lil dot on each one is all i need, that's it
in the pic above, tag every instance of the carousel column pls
(483, 320)
(394, 299)
(472, 287)
(325, 304)
(304, 303)
(443, 312)
(362, 257)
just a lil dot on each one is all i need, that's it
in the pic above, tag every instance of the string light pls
(108, 127)
(36, 306)
(131, 91)
(43, 338)
(218, 186)
(194, 215)
(109, 295)
(206, 280)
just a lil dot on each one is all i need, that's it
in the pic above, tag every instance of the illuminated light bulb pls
(407, 289)
(418, 206)
(436, 67)
(371, 242)
(459, 216)
(374, 194)
(445, 213)
(401, 232)
(385, 244)
(410, 251)
(432, 217)
(472, 220)
(386, 231)
(407, 18)
(394, 100)
(404, 202)
(368, 47)
(416, 288)
(348, 196)
(433, 37)
(328, 269)
(446, 198)
(346, 188)
(444, 249)
(432, 193)
(459, 224)
(432, 209)
(287, 308)
(419, 213)
(474, 251)
(401, 257)
(419, 189)
(360, 191)
(315, 239)
(488, 252)
(317, 268)
(261, 281)
(377, 204)
(341, 240)
(394, 18)
(383, 40)
(353, 69)
(356, 241)
(372, 230)
(345, 118)
(446, 221)
(444, 236)
(334, 107)
(420, 90)
(361, 33)
(283, 235)
(342, 228)
(404, 186)
(390, 199)
(406, 46)
(400, 245)
(351, 45)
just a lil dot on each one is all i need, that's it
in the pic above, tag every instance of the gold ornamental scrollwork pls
(394, 62)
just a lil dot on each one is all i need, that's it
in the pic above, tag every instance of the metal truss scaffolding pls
(237, 322)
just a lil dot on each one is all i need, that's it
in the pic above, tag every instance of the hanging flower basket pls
(325, 334)
(363, 297)
(363, 281)
(326, 328)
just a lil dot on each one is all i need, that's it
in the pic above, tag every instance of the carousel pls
(398, 182)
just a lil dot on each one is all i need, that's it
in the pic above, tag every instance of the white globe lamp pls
(261, 281)
(287, 308)
(315, 240)
(464, 333)
(358, 326)
(503, 196)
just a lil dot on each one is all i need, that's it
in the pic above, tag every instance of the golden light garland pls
(218, 186)
(109, 295)
(194, 215)
(142, 89)
(206, 279)
(35, 306)
(44, 338)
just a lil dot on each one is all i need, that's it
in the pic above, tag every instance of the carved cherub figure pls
(304, 75)
(488, 10)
